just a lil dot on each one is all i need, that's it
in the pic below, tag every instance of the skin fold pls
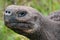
(55, 16)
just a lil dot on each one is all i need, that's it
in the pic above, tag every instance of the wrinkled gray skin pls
(55, 16)
(31, 23)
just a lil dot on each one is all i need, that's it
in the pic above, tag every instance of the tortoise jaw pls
(20, 25)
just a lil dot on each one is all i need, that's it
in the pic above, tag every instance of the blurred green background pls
(44, 6)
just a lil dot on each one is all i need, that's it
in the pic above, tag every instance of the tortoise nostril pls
(22, 14)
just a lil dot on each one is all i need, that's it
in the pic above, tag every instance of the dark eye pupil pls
(21, 14)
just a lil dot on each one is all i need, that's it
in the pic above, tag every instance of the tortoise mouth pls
(20, 25)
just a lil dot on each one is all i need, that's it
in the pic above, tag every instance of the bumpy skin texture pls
(55, 16)
(29, 22)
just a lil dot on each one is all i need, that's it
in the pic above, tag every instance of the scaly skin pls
(55, 16)
(29, 22)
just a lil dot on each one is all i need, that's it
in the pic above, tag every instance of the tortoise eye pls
(7, 13)
(22, 14)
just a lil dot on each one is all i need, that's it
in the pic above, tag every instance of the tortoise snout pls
(13, 20)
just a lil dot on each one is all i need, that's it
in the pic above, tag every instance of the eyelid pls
(22, 14)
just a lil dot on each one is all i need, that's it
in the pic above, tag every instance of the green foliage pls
(44, 6)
